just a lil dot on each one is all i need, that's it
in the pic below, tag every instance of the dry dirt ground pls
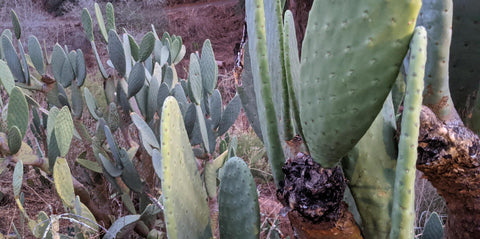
(220, 21)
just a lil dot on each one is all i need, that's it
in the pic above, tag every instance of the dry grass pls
(427, 201)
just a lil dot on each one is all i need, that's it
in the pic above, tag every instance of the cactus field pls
(266, 119)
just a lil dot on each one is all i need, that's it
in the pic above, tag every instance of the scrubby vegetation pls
(136, 138)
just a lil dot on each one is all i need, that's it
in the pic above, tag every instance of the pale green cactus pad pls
(186, 210)
(403, 208)
(63, 182)
(63, 130)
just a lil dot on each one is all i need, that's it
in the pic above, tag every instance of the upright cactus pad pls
(370, 170)
(433, 227)
(186, 210)
(255, 18)
(403, 212)
(465, 59)
(346, 78)
(239, 213)
(63, 130)
(116, 52)
(12, 59)
(6, 77)
(14, 139)
(18, 111)
(36, 54)
(63, 182)
(436, 17)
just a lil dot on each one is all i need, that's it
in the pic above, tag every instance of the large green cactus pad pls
(116, 52)
(101, 23)
(370, 170)
(255, 19)
(208, 67)
(61, 66)
(146, 46)
(186, 209)
(36, 54)
(465, 59)
(12, 59)
(239, 213)
(436, 17)
(87, 24)
(18, 111)
(346, 78)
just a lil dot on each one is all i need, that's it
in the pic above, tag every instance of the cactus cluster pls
(354, 59)
(341, 96)
(330, 101)
(172, 115)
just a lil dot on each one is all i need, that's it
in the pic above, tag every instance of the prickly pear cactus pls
(63, 130)
(370, 170)
(239, 213)
(464, 61)
(18, 111)
(433, 227)
(186, 209)
(361, 49)
(403, 209)
(436, 17)
(63, 182)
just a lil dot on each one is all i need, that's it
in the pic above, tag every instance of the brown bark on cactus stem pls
(449, 157)
(314, 198)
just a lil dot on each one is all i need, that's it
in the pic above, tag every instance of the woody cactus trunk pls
(357, 56)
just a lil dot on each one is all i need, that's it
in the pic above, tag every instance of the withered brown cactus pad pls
(313, 191)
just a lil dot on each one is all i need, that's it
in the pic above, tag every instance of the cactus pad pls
(208, 67)
(362, 49)
(14, 139)
(61, 67)
(146, 46)
(63, 182)
(63, 130)
(12, 58)
(403, 211)
(186, 209)
(116, 52)
(18, 111)
(36, 54)
(433, 227)
(6, 77)
(16, 24)
(239, 215)
(136, 79)
(17, 178)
